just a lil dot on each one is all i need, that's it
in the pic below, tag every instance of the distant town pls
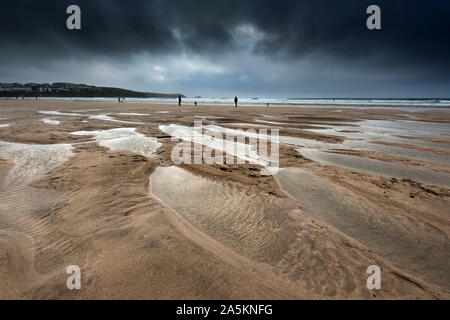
(67, 89)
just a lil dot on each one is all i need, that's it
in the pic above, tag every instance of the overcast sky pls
(222, 48)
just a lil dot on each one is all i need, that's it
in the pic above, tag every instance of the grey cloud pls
(330, 36)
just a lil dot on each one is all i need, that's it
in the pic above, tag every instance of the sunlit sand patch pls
(253, 225)
(378, 167)
(4, 125)
(124, 139)
(52, 122)
(106, 117)
(58, 113)
(162, 112)
(421, 250)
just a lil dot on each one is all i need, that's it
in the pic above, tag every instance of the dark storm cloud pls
(416, 28)
(414, 39)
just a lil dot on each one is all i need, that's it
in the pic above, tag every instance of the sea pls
(407, 104)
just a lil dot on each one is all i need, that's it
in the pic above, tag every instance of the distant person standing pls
(195, 103)
(118, 99)
(179, 101)
(235, 101)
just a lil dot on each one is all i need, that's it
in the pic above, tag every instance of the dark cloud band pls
(414, 40)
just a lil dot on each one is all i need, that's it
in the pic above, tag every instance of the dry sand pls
(141, 228)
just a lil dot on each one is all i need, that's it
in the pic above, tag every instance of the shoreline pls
(357, 104)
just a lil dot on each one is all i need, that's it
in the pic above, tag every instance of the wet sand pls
(93, 184)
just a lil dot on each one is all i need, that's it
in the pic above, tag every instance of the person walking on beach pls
(179, 100)
(195, 103)
(235, 101)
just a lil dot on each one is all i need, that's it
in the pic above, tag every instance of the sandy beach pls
(93, 184)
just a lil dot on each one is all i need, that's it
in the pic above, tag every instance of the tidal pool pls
(378, 167)
(52, 122)
(124, 139)
(32, 160)
(213, 138)
(253, 225)
(387, 130)
(133, 114)
(316, 151)
(410, 245)
(58, 113)
(105, 117)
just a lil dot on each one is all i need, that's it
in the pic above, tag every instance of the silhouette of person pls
(179, 100)
(118, 99)
(235, 101)
(195, 103)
